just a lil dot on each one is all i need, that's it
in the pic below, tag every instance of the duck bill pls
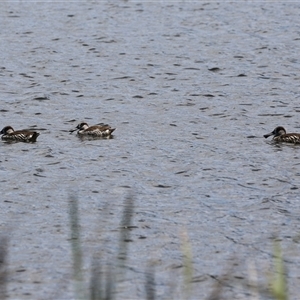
(72, 130)
(268, 134)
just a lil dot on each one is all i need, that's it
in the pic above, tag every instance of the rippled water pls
(191, 89)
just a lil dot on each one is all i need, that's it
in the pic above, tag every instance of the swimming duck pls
(280, 135)
(18, 136)
(99, 130)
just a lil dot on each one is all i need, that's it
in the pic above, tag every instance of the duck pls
(280, 135)
(99, 130)
(8, 134)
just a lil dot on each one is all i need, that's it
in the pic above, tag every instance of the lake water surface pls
(191, 88)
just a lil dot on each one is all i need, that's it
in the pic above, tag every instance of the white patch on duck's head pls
(7, 130)
(82, 126)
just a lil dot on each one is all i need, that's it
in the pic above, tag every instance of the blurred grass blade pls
(109, 287)
(150, 283)
(279, 284)
(252, 280)
(125, 233)
(76, 248)
(96, 290)
(187, 264)
(3, 267)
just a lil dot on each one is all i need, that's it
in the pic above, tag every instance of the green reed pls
(105, 278)
(278, 281)
(3, 266)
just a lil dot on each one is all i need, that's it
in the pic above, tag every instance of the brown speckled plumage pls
(8, 134)
(100, 130)
(280, 135)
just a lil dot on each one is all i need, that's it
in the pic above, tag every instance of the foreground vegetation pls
(104, 285)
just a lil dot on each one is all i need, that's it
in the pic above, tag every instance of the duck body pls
(100, 130)
(280, 135)
(8, 134)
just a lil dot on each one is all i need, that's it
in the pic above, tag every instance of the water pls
(191, 89)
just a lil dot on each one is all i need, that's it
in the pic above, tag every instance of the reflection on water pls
(188, 86)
